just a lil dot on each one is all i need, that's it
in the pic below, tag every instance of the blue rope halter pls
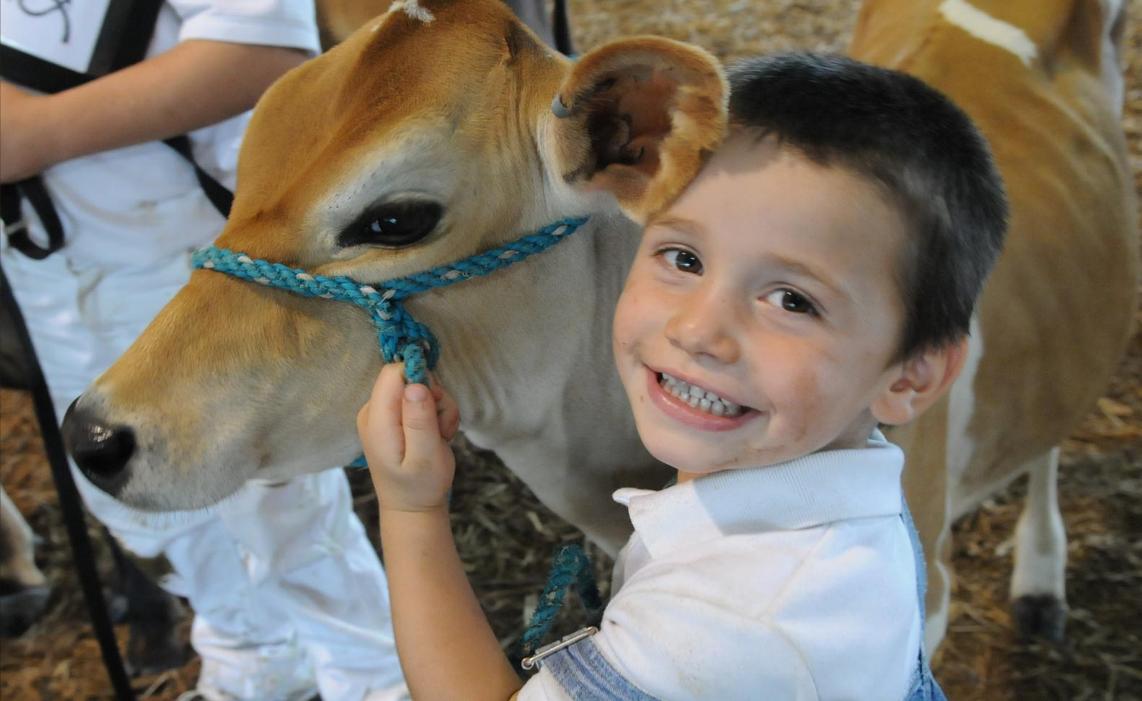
(401, 337)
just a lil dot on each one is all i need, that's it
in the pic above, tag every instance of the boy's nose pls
(702, 327)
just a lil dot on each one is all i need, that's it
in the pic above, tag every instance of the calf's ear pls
(637, 117)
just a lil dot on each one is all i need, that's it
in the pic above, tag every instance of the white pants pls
(288, 594)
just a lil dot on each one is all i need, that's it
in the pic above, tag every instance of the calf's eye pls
(393, 224)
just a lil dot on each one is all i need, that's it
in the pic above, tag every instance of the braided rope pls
(400, 336)
(570, 567)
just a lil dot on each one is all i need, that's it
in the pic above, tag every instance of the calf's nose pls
(101, 450)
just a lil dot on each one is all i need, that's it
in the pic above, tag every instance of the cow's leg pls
(24, 590)
(939, 598)
(1038, 583)
(152, 614)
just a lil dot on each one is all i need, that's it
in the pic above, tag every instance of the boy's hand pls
(405, 432)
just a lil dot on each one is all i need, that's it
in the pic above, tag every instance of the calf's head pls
(443, 129)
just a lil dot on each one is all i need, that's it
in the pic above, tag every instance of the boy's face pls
(767, 290)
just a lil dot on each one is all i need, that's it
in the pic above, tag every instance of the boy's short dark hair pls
(915, 144)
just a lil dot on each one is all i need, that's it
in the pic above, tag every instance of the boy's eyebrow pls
(688, 226)
(800, 268)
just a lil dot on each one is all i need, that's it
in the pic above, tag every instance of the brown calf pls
(440, 104)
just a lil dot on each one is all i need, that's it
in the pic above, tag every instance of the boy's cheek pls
(631, 312)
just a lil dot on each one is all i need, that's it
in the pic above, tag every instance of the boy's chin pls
(693, 460)
(673, 456)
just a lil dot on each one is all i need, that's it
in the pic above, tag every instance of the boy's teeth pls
(699, 398)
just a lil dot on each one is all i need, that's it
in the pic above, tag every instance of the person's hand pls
(405, 432)
(25, 146)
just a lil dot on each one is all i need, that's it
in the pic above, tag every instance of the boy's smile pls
(762, 315)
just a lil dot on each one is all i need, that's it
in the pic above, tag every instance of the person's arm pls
(195, 84)
(446, 646)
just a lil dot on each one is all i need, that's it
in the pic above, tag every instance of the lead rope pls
(569, 568)
(401, 337)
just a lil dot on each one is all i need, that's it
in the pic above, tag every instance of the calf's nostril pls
(101, 451)
(104, 451)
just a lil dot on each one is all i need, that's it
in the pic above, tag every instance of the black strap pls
(219, 196)
(16, 226)
(141, 19)
(136, 21)
(70, 504)
(561, 28)
(33, 191)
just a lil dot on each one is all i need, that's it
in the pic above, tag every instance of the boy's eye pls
(791, 301)
(683, 260)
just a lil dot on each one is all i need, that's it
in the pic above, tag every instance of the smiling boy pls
(815, 280)
(757, 293)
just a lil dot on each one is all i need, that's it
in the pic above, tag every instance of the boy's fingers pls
(449, 415)
(384, 412)
(421, 428)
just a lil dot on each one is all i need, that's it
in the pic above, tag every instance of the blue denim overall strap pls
(923, 686)
(586, 675)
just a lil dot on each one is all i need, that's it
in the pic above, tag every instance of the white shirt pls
(141, 204)
(793, 581)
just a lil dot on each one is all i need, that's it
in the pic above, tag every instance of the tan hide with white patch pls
(449, 101)
(1041, 78)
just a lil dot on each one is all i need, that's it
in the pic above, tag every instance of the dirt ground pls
(507, 538)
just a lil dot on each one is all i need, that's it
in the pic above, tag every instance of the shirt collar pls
(819, 488)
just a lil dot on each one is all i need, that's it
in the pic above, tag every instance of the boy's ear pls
(917, 382)
(636, 118)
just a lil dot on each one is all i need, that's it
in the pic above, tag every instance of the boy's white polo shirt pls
(793, 581)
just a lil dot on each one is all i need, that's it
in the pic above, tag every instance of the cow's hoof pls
(1040, 617)
(21, 606)
(155, 647)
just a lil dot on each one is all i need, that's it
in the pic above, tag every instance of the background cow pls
(1042, 80)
